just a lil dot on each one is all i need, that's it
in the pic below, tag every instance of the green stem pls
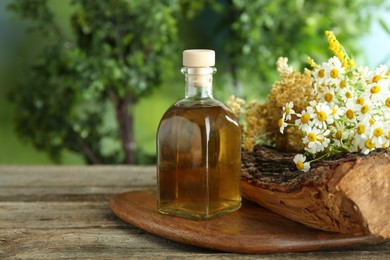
(319, 158)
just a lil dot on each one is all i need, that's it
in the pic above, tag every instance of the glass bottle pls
(198, 148)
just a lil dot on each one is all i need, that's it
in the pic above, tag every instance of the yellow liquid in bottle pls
(199, 173)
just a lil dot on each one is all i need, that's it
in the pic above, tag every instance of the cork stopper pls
(198, 58)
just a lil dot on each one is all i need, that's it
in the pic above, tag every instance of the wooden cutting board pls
(251, 229)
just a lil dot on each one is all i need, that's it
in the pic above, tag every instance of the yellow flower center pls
(305, 118)
(334, 111)
(350, 114)
(321, 116)
(364, 109)
(339, 135)
(328, 97)
(287, 110)
(388, 102)
(376, 78)
(369, 144)
(312, 137)
(334, 73)
(378, 132)
(300, 165)
(371, 121)
(375, 89)
(343, 84)
(360, 101)
(280, 122)
(321, 73)
(388, 135)
(360, 129)
(348, 95)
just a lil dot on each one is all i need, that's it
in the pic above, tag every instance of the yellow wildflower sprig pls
(338, 50)
(312, 63)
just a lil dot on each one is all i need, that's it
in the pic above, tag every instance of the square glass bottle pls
(198, 148)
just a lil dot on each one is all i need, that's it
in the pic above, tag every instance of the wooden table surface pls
(62, 212)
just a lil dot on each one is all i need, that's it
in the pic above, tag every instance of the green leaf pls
(384, 26)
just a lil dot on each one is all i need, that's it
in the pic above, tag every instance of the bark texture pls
(348, 194)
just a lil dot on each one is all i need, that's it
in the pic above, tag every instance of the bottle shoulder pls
(204, 103)
(194, 110)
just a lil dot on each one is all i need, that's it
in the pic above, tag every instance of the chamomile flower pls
(337, 112)
(327, 94)
(323, 115)
(342, 84)
(351, 111)
(282, 124)
(334, 62)
(366, 110)
(305, 117)
(316, 139)
(300, 162)
(335, 71)
(381, 73)
(363, 130)
(319, 74)
(378, 134)
(367, 146)
(346, 94)
(377, 91)
(360, 101)
(341, 136)
(288, 110)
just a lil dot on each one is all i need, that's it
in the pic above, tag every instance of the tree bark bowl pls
(348, 193)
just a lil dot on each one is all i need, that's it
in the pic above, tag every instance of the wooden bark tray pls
(346, 194)
(252, 229)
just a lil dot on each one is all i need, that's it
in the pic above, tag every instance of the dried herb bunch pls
(262, 121)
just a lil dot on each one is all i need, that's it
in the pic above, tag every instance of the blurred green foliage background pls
(77, 77)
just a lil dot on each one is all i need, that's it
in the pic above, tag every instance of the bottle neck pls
(199, 82)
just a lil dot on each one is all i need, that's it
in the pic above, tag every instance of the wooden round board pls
(251, 229)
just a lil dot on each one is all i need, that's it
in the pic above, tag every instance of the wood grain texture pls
(71, 183)
(251, 229)
(62, 213)
(35, 215)
(77, 176)
(349, 194)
